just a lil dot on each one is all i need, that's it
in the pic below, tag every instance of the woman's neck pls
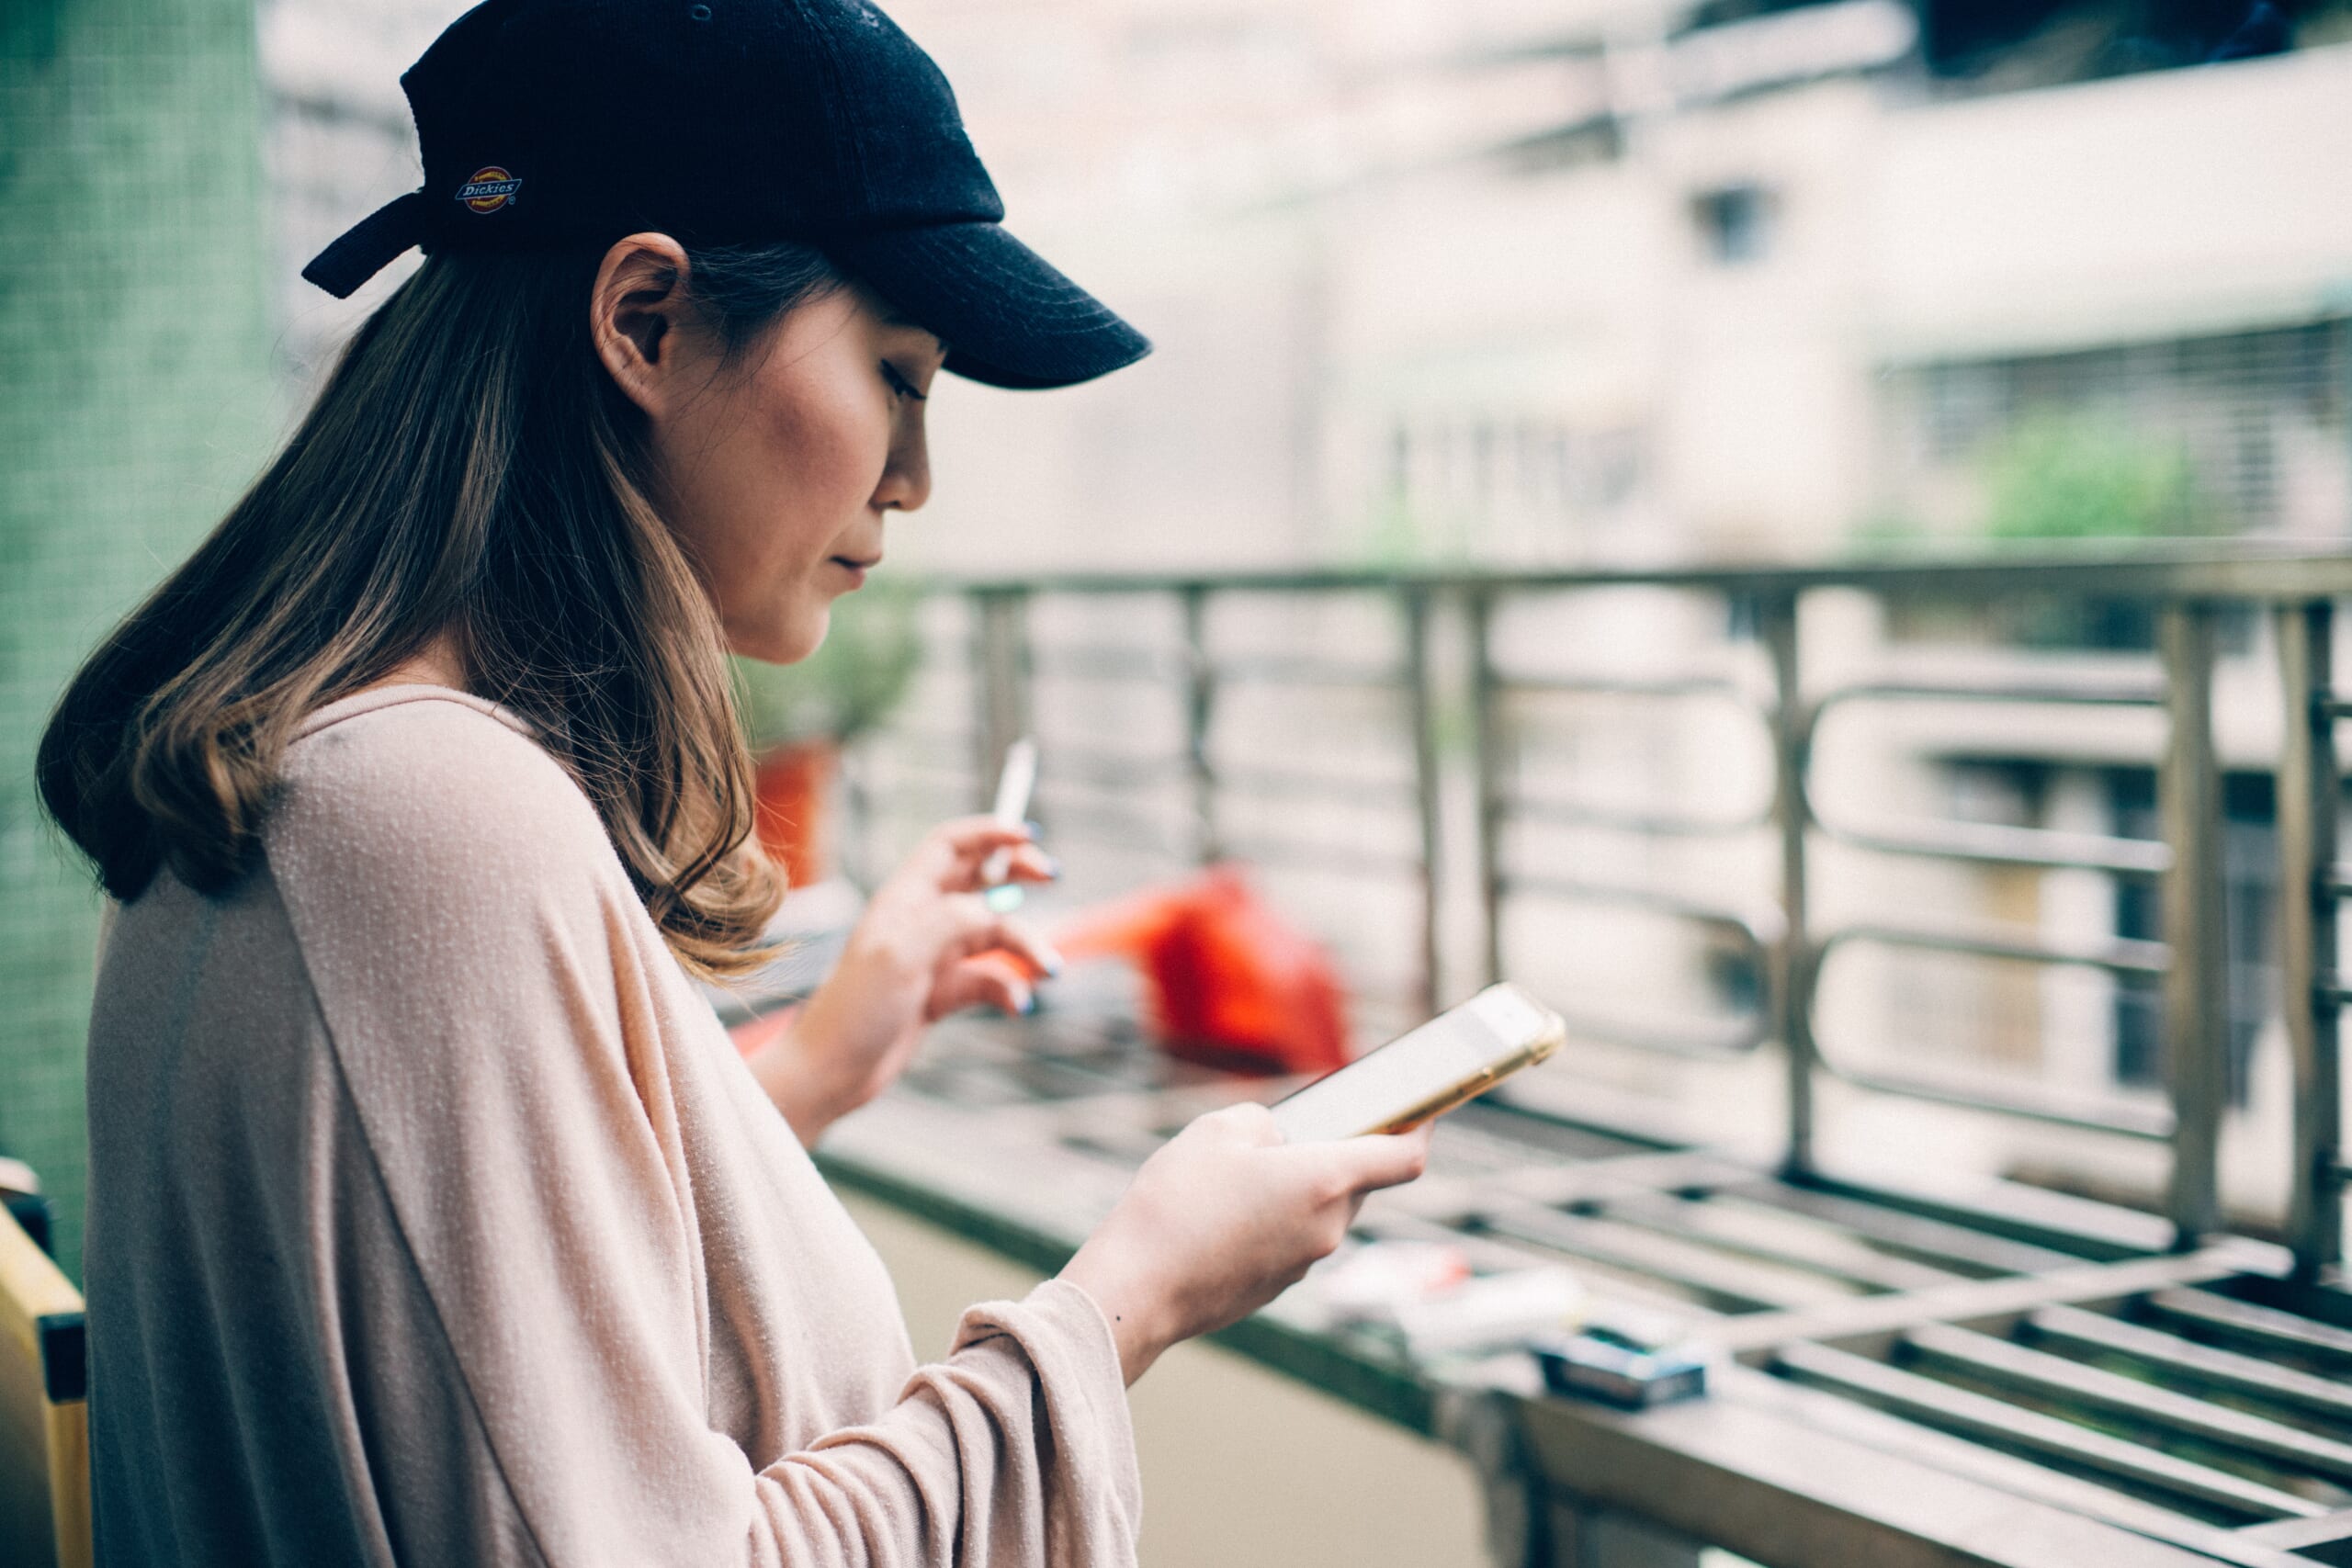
(435, 664)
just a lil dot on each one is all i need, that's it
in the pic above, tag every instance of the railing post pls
(2308, 792)
(1428, 784)
(1792, 956)
(2197, 1017)
(1003, 650)
(1200, 711)
(1490, 767)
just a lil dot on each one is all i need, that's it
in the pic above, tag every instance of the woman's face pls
(775, 467)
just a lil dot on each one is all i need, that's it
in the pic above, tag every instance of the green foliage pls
(2070, 477)
(1399, 536)
(847, 687)
(1393, 540)
(1887, 533)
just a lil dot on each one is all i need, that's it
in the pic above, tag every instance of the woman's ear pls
(636, 315)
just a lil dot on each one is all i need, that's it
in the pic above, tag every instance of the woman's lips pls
(855, 567)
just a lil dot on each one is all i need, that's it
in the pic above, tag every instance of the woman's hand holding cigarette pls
(1223, 1219)
(908, 961)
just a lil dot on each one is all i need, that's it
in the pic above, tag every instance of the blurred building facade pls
(1559, 280)
(1545, 282)
(1574, 280)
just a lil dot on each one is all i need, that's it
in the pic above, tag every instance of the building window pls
(2250, 889)
(2240, 433)
(1735, 223)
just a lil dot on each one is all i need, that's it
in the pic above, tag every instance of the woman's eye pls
(898, 383)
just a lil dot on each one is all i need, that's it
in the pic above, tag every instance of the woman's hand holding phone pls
(907, 964)
(1222, 1219)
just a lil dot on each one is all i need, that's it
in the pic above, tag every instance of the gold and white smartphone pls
(1463, 1051)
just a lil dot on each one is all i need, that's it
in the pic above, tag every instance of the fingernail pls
(1053, 868)
(1029, 1004)
(1004, 897)
(1036, 829)
(1053, 959)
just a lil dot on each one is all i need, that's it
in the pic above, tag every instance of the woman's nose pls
(906, 483)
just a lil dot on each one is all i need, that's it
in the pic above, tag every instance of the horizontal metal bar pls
(2135, 691)
(2041, 1373)
(1738, 1283)
(1627, 686)
(2151, 1123)
(1981, 1416)
(2265, 1326)
(2119, 956)
(1286, 782)
(1760, 926)
(2244, 570)
(1065, 661)
(1801, 1242)
(1975, 1298)
(1553, 1103)
(1986, 843)
(2299, 1298)
(1933, 1241)
(1500, 1254)
(2080, 1227)
(1613, 1177)
(1781, 1473)
(2296, 1535)
(1577, 814)
(1343, 859)
(2185, 1361)
(1275, 670)
(2016, 1479)
(1693, 1043)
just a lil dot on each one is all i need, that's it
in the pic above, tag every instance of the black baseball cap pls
(549, 122)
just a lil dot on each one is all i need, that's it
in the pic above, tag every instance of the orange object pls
(791, 787)
(1228, 982)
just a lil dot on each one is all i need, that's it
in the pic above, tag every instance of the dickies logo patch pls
(490, 188)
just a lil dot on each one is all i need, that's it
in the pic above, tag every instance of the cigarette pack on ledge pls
(1590, 1367)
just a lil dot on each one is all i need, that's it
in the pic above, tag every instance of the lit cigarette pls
(1013, 789)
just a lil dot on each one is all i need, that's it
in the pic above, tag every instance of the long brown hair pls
(469, 468)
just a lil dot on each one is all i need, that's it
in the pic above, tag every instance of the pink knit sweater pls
(433, 1221)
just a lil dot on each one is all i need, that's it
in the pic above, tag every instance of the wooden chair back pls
(44, 1412)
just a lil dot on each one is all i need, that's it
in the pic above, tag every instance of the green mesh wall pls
(135, 398)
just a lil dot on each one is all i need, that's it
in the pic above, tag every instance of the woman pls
(433, 1218)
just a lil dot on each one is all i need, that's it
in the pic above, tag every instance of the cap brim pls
(1008, 317)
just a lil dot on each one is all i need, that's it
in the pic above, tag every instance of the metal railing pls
(2189, 591)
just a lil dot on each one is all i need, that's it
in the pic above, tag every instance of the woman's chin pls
(784, 642)
(802, 637)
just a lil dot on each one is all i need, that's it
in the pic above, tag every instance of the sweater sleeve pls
(1006, 1452)
(500, 1041)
